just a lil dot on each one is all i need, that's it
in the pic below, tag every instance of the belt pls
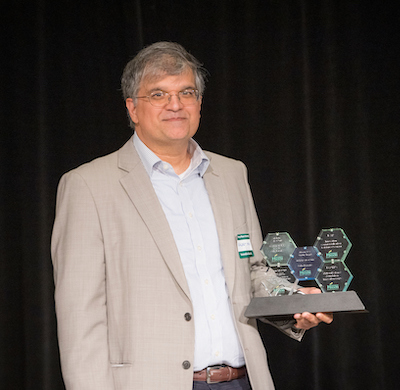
(216, 374)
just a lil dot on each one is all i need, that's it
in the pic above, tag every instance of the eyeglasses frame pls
(197, 93)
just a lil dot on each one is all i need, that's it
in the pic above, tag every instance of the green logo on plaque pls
(277, 258)
(329, 255)
(305, 272)
(331, 287)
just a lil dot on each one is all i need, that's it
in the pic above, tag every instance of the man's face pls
(163, 128)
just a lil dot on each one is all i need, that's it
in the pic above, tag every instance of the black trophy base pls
(285, 306)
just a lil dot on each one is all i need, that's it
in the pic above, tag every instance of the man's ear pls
(130, 106)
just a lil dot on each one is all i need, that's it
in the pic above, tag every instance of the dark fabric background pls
(306, 93)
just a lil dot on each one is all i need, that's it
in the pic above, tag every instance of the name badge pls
(244, 246)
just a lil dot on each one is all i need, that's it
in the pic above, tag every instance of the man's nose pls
(174, 102)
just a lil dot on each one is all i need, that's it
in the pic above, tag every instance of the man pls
(150, 288)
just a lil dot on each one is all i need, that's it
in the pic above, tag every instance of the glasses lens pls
(188, 96)
(159, 98)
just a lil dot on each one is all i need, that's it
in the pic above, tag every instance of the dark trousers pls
(237, 384)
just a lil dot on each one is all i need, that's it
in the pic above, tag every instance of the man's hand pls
(307, 320)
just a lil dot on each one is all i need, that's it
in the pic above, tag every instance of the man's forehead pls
(154, 80)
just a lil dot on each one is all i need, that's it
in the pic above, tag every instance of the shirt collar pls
(150, 160)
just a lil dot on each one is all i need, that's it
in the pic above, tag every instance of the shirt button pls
(188, 317)
(186, 364)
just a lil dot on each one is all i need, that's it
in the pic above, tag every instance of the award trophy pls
(324, 263)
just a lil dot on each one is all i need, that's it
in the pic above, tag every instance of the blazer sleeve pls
(80, 287)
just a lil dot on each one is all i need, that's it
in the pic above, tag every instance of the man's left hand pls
(307, 320)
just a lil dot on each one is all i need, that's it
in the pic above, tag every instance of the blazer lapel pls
(222, 209)
(138, 186)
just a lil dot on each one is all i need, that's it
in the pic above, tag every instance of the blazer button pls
(186, 364)
(188, 317)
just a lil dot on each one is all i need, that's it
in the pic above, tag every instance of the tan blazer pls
(121, 293)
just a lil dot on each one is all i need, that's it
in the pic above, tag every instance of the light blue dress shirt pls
(186, 204)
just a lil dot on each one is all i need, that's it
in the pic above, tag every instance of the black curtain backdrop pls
(306, 93)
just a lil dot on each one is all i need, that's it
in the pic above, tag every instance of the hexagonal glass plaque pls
(277, 248)
(333, 244)
(305, 263)
(334, 276)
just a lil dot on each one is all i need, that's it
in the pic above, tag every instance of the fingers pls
(307, 320)
(325, 317)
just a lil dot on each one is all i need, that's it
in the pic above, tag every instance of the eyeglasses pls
(187, 97)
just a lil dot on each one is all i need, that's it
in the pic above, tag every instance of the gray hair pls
(157, 60)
